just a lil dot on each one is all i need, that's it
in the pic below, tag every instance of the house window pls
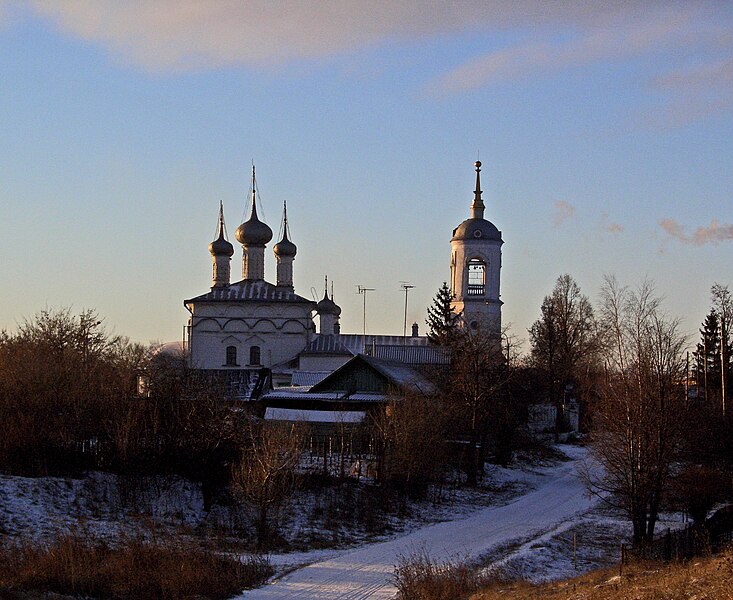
(254, 355)
(231, 356)
(476, 277)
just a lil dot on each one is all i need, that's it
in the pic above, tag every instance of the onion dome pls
(220, 246)
(327, 306)
(285, 247)
(253, 232)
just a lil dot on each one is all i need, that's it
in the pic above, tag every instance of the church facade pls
(252, 324)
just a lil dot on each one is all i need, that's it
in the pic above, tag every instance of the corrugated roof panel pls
(308, 378)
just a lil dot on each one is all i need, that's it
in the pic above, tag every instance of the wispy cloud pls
(181, 35)
(673, 31)
(190, 34)
(563, 212)
(610, 227)
(696, 91)
(712, 234)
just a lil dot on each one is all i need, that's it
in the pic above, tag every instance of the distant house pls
(362, 385)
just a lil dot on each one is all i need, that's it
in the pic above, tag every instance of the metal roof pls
(401, 375)
(397, 374)
(412, 355)
(308, 378)
(249, 290)
(328, 344)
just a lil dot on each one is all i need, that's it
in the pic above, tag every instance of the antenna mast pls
(363, 290)
(406, 286)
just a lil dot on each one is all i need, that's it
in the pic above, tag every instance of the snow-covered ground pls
(557, 502)
(101, 504)
(523, 521)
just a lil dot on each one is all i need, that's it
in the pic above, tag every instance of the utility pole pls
(705, 363)
(687, 377)
(722, 362)
(363, 290)
(406, 287)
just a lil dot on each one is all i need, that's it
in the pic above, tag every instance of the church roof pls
(477, 229)
(250, 290)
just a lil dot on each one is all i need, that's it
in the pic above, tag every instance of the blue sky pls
(605, 130)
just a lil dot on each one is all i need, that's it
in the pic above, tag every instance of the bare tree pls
(564, 339)
(411, 437)
(266, 475)
(640, 406)
(476, 389)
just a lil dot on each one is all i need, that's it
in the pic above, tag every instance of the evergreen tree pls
(564, 339)
(715, 335)
(441, 319)
(707, 356)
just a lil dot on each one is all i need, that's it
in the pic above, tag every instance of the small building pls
(361, 386)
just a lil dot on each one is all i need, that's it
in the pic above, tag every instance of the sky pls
(605, 130)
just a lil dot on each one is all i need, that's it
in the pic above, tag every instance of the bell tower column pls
(475, 268)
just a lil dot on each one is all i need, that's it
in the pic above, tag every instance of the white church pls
(262, 336)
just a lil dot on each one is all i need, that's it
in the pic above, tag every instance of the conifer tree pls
(441, 318)
(714, 337)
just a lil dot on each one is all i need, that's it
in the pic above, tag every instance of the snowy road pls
(366, 572)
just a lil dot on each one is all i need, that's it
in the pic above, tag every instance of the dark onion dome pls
(477, 229)
(285, 247)
(253, 232)
(221, 247)
(328, 307)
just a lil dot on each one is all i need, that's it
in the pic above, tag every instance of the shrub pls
(137, 568)
(420, 577)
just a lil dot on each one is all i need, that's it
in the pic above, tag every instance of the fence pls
(693, 540)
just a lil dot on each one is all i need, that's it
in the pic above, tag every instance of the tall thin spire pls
(221, 221)
(325, 288)
(285, 220)
(477, 206)
(254, 194)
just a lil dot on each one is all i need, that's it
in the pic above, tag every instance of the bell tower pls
(475, 268)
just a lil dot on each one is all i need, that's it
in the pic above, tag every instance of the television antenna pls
(363, 290)
(406, 286)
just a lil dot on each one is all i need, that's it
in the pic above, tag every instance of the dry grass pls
(701, 579)
(419, 577)
(134, 569)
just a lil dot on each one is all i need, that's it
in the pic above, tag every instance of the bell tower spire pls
(476, 267)
(477, 206)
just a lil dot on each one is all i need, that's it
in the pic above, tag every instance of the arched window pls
(231, 356)
(476, 277)
(254, 355)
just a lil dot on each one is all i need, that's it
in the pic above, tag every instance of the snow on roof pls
(314, 416)
(302, 394)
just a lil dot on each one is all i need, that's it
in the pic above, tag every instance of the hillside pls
(704, 578)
